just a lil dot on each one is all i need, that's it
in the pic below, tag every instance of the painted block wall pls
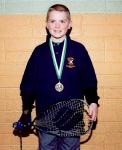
(102, 36)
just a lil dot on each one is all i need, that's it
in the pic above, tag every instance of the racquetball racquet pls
(68, 118)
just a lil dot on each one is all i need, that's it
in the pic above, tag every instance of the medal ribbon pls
(59, 69)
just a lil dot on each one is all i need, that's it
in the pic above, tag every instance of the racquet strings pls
(66, 118)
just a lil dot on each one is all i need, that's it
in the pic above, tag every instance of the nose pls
(57, 25)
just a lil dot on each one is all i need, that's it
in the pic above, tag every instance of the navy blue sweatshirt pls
(39, 79)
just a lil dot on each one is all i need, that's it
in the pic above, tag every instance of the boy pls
(58, 69)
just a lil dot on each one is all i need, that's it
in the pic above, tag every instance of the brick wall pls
(102, 36)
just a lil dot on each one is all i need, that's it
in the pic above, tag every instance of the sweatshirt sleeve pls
(27, 84)
(89, 79)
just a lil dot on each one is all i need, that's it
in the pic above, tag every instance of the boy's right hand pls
(23, 126)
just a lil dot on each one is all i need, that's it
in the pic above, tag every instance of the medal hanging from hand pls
(59, 86)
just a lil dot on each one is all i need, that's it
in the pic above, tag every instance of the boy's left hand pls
(93, 111)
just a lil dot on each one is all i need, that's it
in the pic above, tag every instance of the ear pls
(47, 25)
(70, 24)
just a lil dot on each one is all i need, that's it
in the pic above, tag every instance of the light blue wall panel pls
(2, 6)
(114, 6)
(76, 6)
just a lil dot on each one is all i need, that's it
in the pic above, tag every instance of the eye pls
(63, 21)
(51, 21)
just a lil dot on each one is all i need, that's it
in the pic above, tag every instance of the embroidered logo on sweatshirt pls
(70, 62)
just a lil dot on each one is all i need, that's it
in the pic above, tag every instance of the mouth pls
(57, 31)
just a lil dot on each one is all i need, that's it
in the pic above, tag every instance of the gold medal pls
(59, 87)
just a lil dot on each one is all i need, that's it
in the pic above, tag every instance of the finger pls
(93, 117)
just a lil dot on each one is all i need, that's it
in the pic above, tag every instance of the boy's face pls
(58, 25)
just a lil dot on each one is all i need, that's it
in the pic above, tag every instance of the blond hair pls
(58, 7)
